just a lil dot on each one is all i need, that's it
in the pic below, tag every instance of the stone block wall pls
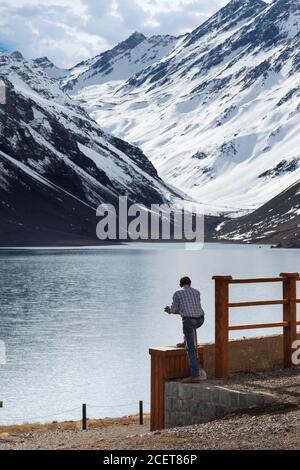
(187, 404)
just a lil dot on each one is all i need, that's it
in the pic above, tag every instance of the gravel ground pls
(276, 426)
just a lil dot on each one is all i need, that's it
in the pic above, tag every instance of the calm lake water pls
(78, 323)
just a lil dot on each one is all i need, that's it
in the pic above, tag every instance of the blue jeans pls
(189, 328)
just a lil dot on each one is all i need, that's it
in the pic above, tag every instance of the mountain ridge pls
(221, 107)
(51, 148)
(216, 110)
(50, 68)
(127, 57)
(277, 222)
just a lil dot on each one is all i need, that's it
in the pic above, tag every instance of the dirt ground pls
(275, 426)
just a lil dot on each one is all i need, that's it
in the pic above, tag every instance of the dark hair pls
(185, 281)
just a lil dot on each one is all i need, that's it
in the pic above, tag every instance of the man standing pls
(187, 303)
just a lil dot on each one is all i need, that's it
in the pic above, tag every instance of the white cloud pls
(68, 31)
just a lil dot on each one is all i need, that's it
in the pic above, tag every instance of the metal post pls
(84, 419)
(141, 410)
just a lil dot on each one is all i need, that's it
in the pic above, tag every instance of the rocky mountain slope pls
(216, 110)
(276, 222)
(111, 68)
(221, 108)
(57, 165)
(51, 69)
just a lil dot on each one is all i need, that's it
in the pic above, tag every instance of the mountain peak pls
(137, 35)
(245, 3)
(17, 55)
(134, 40)
(130, 43)
(43, 61)
(120, 63)
(228, 17)
(235, 5)
(50, 68)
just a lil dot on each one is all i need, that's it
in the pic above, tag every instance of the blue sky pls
(68, 31)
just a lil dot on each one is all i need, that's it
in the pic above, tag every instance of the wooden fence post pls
(166, 363)
(221, 326)
(289, 290)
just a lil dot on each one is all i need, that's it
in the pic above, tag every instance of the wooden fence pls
(171, 363)
(289, 321)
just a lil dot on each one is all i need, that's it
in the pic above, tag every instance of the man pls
(186, 302)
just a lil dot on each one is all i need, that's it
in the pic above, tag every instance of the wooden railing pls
(289, 322)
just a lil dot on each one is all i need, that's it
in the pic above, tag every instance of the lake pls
(78, 323)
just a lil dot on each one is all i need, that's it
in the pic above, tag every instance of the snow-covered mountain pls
(277, 222)
(218, 113)
(57, 165)
(51, 70)
(115, 66)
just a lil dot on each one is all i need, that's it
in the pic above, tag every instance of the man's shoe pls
(203, 374)
(194, 379)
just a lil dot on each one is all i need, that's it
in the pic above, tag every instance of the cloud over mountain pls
(68, 31)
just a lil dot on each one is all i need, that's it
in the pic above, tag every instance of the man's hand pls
(168, 309)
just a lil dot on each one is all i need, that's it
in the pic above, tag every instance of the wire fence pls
(16, 418)
(83, 412)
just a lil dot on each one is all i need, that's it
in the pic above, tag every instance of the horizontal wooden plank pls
(169, 351)
(222, 278)
(259, 325)
(257, 303)
(257, 280)
(291, 276)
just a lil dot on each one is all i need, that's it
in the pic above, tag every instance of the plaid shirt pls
(187, 303)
